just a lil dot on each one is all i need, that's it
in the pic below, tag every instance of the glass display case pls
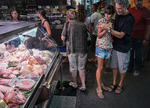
(28, 62)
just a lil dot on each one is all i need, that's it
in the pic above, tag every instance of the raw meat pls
(23, 76)
(5, 75)
(4, 81)
(3, 67)
(47, 59)
(29, 76)
(27, 70)
(11, 76)
(32, 61)
(21, 48)
(44, 66)
(2, 48)
(25, 84)
(12, 105)
(37, 69)
(15, 72)
(40, 60)
(33, 76)
(12, 95)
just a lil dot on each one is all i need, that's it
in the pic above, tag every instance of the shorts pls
(102, 53)
(120, 60)
(77, 62)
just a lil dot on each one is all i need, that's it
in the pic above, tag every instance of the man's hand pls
(63, 38)
(145, 42)
(105, 26)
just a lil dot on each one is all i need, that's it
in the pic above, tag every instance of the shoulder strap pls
(44, 21)
(67, 23)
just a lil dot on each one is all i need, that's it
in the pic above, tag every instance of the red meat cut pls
(25, 84)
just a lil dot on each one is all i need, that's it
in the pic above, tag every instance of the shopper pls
(103, 48)
(65, 32)
(95, 17)
(77, 48)
(14, 14)
(139, 37)
(123, 26)
(44, 22)
(81, 14)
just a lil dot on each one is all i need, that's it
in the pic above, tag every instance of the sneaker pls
(136, 73)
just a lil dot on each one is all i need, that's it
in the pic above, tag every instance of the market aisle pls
(135, 92)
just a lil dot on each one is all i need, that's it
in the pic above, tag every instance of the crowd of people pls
(115, 39)
(120, 39)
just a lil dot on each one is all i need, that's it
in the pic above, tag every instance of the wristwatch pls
(110, 29)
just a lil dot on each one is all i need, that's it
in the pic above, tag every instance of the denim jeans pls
(136, 54)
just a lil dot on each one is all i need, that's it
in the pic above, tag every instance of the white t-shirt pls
(95, 17)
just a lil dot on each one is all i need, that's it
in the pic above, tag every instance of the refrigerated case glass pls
(24, 61)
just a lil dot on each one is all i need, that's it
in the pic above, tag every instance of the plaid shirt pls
(77, 37)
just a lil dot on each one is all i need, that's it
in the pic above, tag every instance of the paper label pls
(14, 81)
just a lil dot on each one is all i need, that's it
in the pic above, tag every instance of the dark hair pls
(69, 7)
(42, 12)
(14, 9)
(95, 6)
(81, 14)
(109, 9)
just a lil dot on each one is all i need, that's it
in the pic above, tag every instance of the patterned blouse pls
(106, 41)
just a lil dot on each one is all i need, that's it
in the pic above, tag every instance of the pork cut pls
(12, 105)
(25, 84)
(4, 81)
(12, 95)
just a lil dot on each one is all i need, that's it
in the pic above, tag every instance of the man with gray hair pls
(76, 48)
(123, 26)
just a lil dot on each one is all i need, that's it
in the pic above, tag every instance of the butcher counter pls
(28, 64)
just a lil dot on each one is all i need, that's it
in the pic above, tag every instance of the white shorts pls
(77, 62)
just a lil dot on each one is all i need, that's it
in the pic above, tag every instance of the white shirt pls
(95, 17)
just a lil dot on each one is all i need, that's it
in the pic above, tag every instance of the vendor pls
(14, 14)
(14, 17)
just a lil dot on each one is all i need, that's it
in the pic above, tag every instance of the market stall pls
(28, 64)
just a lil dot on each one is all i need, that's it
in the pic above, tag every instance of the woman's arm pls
(100, 31)
(47, 26)
(113, 32)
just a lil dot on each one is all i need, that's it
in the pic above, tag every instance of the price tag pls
(14, 81)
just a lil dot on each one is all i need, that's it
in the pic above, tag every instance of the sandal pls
(90, 60)
(104, 87)
(98, 92)
(74, 85)
(118, 90)
(82, 88)
(112, 87)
